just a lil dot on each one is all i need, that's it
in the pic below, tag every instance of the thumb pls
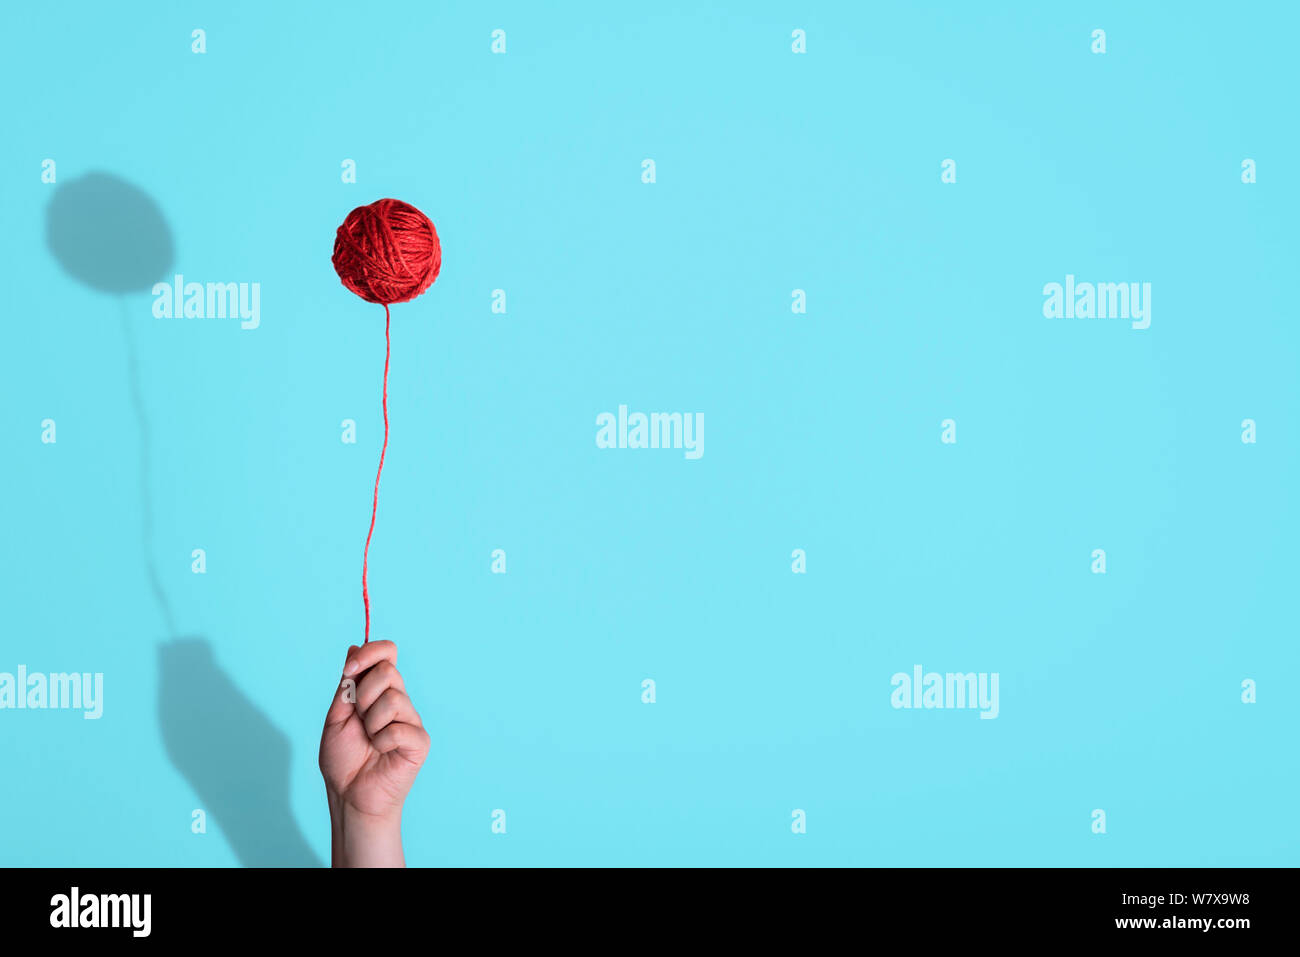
(344, 704)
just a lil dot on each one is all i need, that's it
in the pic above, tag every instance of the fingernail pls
(350, 668)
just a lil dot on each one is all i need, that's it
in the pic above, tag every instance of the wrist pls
(364, 840)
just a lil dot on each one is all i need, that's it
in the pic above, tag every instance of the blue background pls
(775, 171)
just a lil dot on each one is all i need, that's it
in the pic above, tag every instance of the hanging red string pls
(374, 507)
(386, 252)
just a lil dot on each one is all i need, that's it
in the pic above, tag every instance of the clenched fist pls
(371, 749)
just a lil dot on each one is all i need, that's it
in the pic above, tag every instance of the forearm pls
(360, 840)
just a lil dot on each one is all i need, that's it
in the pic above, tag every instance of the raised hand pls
(371, 749)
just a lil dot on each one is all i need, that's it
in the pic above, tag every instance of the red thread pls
(374, 508)
(386, 252)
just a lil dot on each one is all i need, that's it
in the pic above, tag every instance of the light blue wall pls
(775, 171)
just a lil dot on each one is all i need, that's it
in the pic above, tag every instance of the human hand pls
(371, 749)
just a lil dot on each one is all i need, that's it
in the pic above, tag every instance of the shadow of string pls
(146, 491)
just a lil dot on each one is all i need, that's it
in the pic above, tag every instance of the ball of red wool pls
(387, 252)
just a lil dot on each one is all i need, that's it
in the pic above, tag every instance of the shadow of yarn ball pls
(108, 234)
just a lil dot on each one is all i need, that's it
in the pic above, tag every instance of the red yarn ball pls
(387, 252)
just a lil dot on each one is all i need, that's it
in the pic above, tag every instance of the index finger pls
(369, 655)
